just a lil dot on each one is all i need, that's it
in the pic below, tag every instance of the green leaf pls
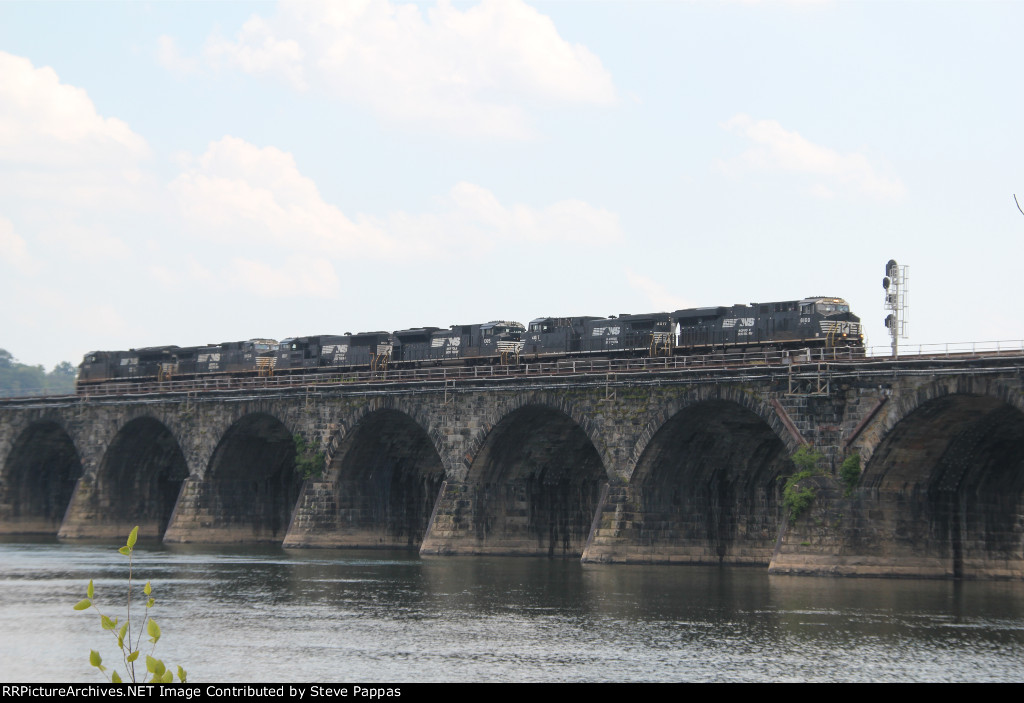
(89, 592)
(147, 589)
(83, 604)
(155, 666)
(133, 656)
(106, 623)
(153, 630)
(94, 658)
(168, 677)
(132, 537)
(121, 633)
(150, 602)
(114, 678)
(182, 674)
(125, 550)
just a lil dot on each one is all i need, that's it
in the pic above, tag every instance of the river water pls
(267, 614)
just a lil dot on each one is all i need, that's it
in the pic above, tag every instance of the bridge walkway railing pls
(562, 367)
(791, 360)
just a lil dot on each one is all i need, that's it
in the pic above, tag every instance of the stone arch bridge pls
(682, 466)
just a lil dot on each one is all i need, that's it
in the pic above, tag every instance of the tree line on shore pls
(18, 379)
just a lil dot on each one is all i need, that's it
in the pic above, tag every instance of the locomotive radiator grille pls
(509, 351)
(380, 359)
(265, 365)
(661, 343)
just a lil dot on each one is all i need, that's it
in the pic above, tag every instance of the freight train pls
(812, 322)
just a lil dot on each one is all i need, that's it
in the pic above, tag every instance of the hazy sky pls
(189, 173)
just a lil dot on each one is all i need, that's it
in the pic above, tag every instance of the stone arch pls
(137, 482)
(705, 394)
(555, 401)
(383, 476)
(903, 403)
(704, 488)
(535, 482)
(946, 480)
(38, 480)
(350, 422)
(249, 489)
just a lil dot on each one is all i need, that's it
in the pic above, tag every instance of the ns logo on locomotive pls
(812, 322)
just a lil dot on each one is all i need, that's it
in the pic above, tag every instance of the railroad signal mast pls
(895, 285)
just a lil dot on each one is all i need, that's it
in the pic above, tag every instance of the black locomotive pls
(812, 322)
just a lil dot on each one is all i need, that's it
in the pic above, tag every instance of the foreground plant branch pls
(127, 641)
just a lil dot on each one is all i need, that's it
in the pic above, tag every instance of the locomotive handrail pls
(950, 348)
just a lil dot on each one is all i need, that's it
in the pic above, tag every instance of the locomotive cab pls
(502, 339)
(830, 321)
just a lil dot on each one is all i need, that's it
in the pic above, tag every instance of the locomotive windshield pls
(824, 306)
(832, 308)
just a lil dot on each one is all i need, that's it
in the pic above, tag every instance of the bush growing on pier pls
(849, 472)
(308, 462)
(128, 641)
(797, 499)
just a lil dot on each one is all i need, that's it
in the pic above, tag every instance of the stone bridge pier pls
(679, 467)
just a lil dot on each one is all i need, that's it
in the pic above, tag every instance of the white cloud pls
(658, 294)
(471, 220)
(251, 196)
(66, 172)
(466, 72)
(13, 250)
(44, 122)
(300, 276)
(69, 177)
(777, 149)
(89, 243)
(168, 56)
(258, 51)
(256, 198)
(51, 308)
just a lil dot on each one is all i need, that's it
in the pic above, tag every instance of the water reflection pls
(266, 614)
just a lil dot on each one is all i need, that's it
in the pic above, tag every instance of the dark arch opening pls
(140, 477)
(388, 477)
(707, 486)
(537, 481)
(39, 480)
(948, 480)
(252, 481)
